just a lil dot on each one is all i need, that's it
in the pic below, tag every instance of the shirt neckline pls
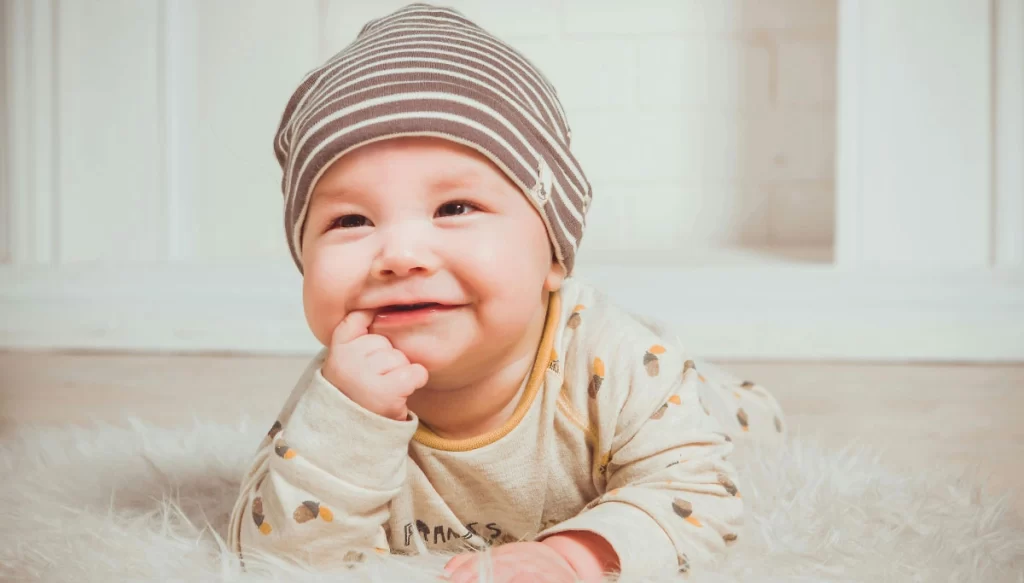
(534, 382)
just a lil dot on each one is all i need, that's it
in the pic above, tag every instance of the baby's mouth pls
(409, 307)
(411, 314)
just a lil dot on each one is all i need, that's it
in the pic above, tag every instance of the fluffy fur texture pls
(142, 503)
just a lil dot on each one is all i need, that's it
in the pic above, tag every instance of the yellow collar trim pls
(430, 439)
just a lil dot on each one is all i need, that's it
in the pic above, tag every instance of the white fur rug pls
(139, 503)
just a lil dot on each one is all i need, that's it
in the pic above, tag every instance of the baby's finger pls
(355, 324)
(368, 344)
(457, 561)
(467, 571)
(406, 379)
(385, 361)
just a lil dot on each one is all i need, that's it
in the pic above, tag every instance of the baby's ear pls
(553, 282)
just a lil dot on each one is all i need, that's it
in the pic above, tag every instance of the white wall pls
(5, 230)
(915, 209)
(143, 208)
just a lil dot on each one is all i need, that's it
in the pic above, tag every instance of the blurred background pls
(777, 179)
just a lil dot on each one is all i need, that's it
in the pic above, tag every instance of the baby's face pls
(426, 221)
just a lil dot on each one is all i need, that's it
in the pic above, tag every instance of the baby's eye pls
(450, 209)
(350, 222)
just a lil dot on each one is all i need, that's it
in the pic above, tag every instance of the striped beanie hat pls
(429, 71)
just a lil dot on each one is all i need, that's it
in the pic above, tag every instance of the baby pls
(470, 392)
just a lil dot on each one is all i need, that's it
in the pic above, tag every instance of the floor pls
(960, 415)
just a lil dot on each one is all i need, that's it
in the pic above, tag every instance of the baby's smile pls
(401, 315)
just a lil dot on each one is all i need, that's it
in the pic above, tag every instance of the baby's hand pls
(515, 563)
(369, 370)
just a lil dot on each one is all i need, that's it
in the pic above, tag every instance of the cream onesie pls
(618, 431)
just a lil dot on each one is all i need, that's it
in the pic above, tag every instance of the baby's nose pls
(405, 252)
(400, 265)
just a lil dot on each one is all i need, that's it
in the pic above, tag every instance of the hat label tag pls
(542, 189)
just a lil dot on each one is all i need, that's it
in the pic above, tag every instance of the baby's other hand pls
(369, 370)
(515, 563)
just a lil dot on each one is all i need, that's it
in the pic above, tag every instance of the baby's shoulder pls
(600, 337)
(592, 320)
(619, 368)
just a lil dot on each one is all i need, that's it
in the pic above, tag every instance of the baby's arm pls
(670, 499)
(319, 488)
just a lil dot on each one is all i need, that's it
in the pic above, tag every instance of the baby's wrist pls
(589, 554)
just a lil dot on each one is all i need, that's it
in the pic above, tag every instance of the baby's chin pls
(437, 353)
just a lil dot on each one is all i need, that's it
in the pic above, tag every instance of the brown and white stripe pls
(429, 71)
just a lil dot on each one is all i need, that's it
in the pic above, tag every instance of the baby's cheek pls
(504, 261)
(480, 250)
(324, 302)
(316, 318)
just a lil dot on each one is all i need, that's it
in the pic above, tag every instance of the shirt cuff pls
(346, 439)
(642, 546)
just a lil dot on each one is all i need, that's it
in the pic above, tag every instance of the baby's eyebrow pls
(328, 195)
(439, 184)
(453, 181)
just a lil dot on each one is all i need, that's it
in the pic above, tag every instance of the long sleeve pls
(668, 499)
(319, 488)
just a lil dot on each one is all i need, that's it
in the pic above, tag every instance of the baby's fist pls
(369, 370)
